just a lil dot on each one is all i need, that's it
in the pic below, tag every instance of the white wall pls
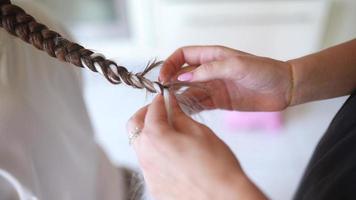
(341, 22)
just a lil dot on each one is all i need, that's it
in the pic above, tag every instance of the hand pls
(186, 160)
(233, 79)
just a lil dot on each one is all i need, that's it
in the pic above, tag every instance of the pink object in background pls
(254, 120)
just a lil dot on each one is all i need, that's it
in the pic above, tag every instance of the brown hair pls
(20, 24)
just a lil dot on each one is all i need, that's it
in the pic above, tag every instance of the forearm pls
(249, 191)
(238, 187)
(326, 74)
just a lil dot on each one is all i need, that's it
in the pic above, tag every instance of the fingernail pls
(185, 77)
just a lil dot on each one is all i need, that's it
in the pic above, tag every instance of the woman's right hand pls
(234, 80)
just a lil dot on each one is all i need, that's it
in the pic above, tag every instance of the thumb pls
(210, 71)
(180, 121)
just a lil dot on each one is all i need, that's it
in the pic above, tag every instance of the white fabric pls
(14, 189)
(46, 140)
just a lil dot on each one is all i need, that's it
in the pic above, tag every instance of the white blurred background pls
(132, 32)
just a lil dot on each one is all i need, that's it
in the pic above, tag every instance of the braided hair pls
(22, 25)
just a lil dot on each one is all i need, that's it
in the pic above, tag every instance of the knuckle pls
(220, 52)
(203, 71)
(205, 68)
(239, 66)
(154, 129)
(237, 59)
(182, 49)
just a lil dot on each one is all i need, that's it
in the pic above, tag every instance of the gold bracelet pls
(292, 85)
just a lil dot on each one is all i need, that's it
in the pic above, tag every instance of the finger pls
(193, 102)
(173, 104)
(182, 71)
(207, 104)
(156, 113)
(138, 119)
(136, 122)
(181, 121)
(229, 69)
(195, 94)
(193, 55)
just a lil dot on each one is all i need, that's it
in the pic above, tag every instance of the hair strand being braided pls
(22, 25)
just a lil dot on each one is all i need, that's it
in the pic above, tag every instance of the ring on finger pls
(133, 135)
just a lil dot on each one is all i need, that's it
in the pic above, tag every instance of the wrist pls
(306, 79)
(325, 74)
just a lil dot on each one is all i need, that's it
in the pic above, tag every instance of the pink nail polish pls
(185, 77)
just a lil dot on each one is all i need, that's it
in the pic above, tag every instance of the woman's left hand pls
(186, 160)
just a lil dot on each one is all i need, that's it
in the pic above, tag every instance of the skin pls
(234, 80)
(187, 160)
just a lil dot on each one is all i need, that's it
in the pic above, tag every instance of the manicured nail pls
(185, 77)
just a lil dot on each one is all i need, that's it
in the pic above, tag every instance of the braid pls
(18, 23)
